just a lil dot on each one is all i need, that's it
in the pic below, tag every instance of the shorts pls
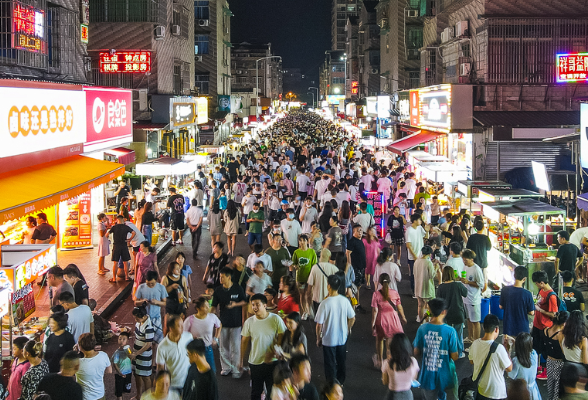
(136, 249)
(253, 238)
(119, 253)
(177, 222)
(473, 312)
(122, 385)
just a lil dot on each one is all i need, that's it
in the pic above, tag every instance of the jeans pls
(459, 329)
(254, 238)
(335, 362)
(261, 374)
(148, 232)
(196, 241)
(230, 349)
(441, 394)
(210, 358)
(410, 268)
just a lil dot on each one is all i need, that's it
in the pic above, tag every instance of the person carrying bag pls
(468, 388)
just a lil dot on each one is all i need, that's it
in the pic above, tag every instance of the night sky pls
(299, 30)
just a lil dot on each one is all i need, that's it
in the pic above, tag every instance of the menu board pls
(76, 226)
(23, 303)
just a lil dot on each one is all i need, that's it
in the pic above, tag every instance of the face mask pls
(298, 198)
(176, 276)
(291, 216)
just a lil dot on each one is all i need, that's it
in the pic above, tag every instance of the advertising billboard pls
(183, 112)
(414, 108)
(403, 106)
(584, 134)
(109, 117)
(28, 28)
(125, 61)
(572, 67)
(435, 107)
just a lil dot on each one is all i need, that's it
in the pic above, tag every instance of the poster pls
(23, 303)
(76, 222)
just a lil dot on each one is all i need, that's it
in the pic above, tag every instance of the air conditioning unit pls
(444, 37)
(412, 13)
(87, 64)
(462, 28)
(464, 69)
(203, 22)
(176, 30)
(374, 71)
(140, 99)
(198, 58)
(450, 32)
(159, 32)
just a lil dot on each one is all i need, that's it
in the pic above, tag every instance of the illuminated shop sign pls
(125, 61)
(435, 107)
(29, 29)
(572, 67)
(183, 112)
(414, 107)
(84, 33)
(354, 87)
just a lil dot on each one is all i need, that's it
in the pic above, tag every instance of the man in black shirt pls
(120, 249)
(71, 275)
(230, 297)
(569, 257)
(63, 385)
(122, 191)
(176, 205)
(201, 381)
(43, 233)
(233, 168)
(573, 297)
(301, 374)
(481, 245)
(356, 254)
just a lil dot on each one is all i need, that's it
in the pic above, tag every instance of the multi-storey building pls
(332, 74)
(342, 10)
(352, 58)
(369, 50)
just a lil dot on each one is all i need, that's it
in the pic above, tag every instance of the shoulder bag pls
(468, 387)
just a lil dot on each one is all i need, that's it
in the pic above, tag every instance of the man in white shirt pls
(491, 384)
(474, 282)
(410, 189)
(455, 261)
(317, 280)
(364, 218)
(79, 317)
(301, 184)
(579, 237)
(291, 230)
(415, 240)
(194, 217)
(321, 187)
(366, 179)
(172, 354)
(343, 195)
(334, 319)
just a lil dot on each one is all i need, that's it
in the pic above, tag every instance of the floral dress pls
(32, 378)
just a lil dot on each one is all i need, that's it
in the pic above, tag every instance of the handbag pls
(388, 238)
(468, 387)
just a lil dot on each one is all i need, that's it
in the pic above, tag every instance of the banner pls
(224, 103)
(76, 222)
(23, 303)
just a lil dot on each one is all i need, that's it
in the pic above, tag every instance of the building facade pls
(251, 69)
(332, 74)
(369, 50)
(342, 9)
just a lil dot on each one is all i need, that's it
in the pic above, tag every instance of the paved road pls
(362, 377)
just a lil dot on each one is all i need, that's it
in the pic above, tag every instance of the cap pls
(285, 202)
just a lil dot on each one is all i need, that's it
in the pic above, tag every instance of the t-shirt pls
(333, 313)
(456, 263)
(175, 358)
(202, 328)
(123, 192)
(55, 347)
(291, 230)
(308, 392)
(121, 359)
(119, 234)
(256, 227)
(481, 245)
(230, 317)
(305, 259)
(336, 236)
(176, 203)
(415, 236)
(567, 255)
(79, 320)
(436, 344)
(262, 333)
(258, 284)
(279, 269)
(64, 287)
(61, 387)
(357, 249)
(547, 304)
(577, 236)
(573, 298)
(80, 291)
(91, 375)
(149, 395)
(474, 274)
(43, 232)
(453, 293)
(157, 292)
(200, 386)
(491, 383)
(400, 381)
(424, 275)
(516, 303)
(245, 273)
(318, 280)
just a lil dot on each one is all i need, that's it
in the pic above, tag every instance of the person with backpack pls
(546, 306)
(490, 376)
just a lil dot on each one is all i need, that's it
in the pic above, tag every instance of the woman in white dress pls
(27, 235)
(103, 242)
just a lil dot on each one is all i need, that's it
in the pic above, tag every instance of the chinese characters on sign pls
(29, 29)
(183, 114)
(125, 61)
(25, 120)
(572, 67)
(354, 87)
(78, 223)
(84, 33)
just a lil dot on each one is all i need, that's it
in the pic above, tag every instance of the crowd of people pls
(298, 197)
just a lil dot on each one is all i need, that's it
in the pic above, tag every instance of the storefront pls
(468, 192)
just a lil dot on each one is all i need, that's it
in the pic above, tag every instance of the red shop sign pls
(109, 117)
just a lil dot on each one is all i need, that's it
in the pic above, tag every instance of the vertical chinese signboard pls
(414, 107)
(28, 28)
(572, 67)
(77, 222)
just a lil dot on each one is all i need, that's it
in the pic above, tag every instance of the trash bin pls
(495, 306)
(485, 307)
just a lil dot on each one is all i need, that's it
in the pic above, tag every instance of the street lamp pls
(313, 103)
(344, 59)
(257, 81)
(317, 94)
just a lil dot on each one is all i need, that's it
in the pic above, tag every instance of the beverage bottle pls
(180, 295)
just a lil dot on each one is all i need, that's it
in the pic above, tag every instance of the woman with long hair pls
(214, 223)
(555, 355)
(347, 273)
(572, 338)
(525, 363)
(344, 217)
(103, 242)
(204, 325)
(385, 265)
(457, 234)
(146, 261)
(232, 218)
(387, 317)
(37, 371)
(138, 214)
(372, 251)
(148, 220)
(289, 297)
(315, 240)
(177, 290)
(325, 218)
(142, 355)
(453, 292)
(400, 369)
(287, 183)
(294, 340)
(27, 235)
(396, 224)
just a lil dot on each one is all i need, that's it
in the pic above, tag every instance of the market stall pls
(468, 192)
(489, 195)
(442, 172)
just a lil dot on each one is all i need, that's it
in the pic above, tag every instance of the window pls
(414, 79)
(180, 18)
(414, 37)
(201, 10)
(125, 11)
(338, 68)
(177, 78)
(338, 80)
(201, 44)
(202, 84)
(351, 8)
(465, 50)
(61, 31)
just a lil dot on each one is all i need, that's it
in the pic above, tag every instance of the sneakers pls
(180, 241)
(542, 373)
(462, 355)
(580, 280)
(418, 319)
(173, 243)
(467, 340)
(225, 373)
(237, 375)
(376, 361)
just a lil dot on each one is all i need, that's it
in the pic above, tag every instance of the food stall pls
(442, 172)
(21, 266)
(468, 191)
(489, 195)
(520, 232)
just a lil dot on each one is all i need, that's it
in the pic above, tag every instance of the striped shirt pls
(144, 334)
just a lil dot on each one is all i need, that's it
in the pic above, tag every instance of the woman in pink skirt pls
(387, 317)
(372, 251)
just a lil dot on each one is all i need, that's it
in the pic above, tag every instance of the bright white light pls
(369, 119)
(149, 151)
(337, 90)
(534, 229)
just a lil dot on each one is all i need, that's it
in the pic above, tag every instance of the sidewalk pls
(108, 295)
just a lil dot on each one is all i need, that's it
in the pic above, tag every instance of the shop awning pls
(165, 166)
(35, 188)
(527, 119)
(149, 126)
(583, 202)
(125, 156)
(406, 143)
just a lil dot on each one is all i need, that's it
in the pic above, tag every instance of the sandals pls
(101, 272)
(113, 280)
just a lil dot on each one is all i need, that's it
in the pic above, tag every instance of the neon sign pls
(84, 33)
(126, 62)
(29, 29)
(354, 87)
(572, 67)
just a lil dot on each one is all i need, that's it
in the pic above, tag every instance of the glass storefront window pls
(460, 150)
